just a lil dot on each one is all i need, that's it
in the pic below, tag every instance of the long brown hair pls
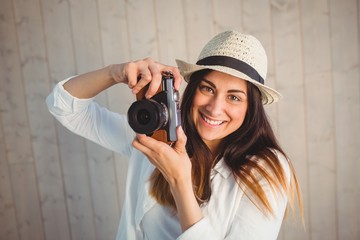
(250, 152)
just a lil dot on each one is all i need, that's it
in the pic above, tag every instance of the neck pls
(214, 147)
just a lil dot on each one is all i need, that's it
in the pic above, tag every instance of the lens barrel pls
(146, 116)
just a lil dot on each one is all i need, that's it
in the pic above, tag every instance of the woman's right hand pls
(138, 74)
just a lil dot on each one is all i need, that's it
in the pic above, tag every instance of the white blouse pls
(229, 214)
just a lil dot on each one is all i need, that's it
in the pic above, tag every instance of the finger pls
(177, 78)
(180, 144)
(131, 71)
(139, 144)
(176, 73)
(152, 144)
(155, 81)
(151, 148)
(142, 77)
(142, 80)
(149, 73)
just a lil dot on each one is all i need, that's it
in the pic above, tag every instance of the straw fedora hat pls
(236, 54)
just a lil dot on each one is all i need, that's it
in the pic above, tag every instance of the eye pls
(234, 98)
(206, 89)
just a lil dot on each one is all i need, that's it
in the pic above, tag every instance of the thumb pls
(181, 142)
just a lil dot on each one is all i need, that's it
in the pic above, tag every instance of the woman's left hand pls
(175, 165)
(172, 161)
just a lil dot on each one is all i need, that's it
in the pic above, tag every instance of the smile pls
(211, 122)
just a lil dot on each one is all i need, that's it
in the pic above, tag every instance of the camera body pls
(158, 116)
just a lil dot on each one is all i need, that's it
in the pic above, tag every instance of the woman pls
(226, 176)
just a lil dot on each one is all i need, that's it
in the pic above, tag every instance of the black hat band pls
(233, 63)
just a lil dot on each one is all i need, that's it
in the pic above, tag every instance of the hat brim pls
(269, 95)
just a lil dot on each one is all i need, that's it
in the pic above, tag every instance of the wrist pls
(179, 185)
(115, 72)
(188, 209)
(182, 189)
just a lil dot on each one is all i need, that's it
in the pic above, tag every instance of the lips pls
(210, 121)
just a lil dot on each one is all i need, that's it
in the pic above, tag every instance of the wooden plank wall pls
(55, 185)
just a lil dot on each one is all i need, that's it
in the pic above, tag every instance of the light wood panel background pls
(55, 185)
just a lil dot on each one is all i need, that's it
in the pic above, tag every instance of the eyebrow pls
(229, 91)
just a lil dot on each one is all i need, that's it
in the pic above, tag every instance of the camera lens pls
(147, 115)
(143, 116)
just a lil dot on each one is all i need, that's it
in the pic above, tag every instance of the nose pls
(215, 106)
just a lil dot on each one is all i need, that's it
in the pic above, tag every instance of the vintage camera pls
(158, 116)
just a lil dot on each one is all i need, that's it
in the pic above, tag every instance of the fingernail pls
(181, 130)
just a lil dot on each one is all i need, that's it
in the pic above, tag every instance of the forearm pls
(175, 165)
(187, 206)
(90, 84)
(135, 74)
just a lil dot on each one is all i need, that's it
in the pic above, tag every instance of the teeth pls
(212, 122)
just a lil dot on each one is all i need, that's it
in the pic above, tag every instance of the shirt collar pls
(221, 168)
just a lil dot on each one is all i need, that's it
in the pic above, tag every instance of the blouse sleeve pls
(249, 223)
(90, 120)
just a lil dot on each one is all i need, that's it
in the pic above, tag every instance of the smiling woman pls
(228, 133)
(219, 107)
(225, 177)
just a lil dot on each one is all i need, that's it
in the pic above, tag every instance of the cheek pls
(239, 115)
(197, 99)
(198, 102)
